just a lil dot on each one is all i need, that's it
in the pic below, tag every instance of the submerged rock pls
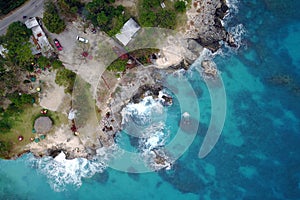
(209, 68)
(101, 177)
(182, 179)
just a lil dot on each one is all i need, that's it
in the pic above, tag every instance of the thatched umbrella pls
(43, 124)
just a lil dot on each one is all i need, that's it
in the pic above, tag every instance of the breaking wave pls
(233, 8)
(147, 120)
(62, 172)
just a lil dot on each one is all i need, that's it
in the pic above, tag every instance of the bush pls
(66, 78)
(167, 19)
(43, 61)
(152, 15)
(52, 20)
(5, 126)
(118, 65)
(5, 148)
(20, 100)
(180, 6)
(57, 64)
(106, 16)
(69, 8)
(17, 44)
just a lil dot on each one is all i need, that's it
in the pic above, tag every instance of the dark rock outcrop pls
(151, 89)
(212, 30)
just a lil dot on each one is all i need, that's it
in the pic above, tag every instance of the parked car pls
(57, 44)
(81, 39)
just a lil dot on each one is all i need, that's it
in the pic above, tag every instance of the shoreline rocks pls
(206, 24)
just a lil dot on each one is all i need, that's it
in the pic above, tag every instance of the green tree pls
(118, 65)
(66, 78)
(105, 15)
(9, 5)
(148, 19)
(20, 100)
(116, 24)
(180, 6)
(17, 44)
(24, 56)
(167, 19)
(102, 19)
(43, 61)
(56, 64)
(51, 19)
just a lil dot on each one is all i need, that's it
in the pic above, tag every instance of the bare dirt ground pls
(52, 95)
(62, 139)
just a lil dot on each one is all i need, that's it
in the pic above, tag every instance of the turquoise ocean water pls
(257, 155)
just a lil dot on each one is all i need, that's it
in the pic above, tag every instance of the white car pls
(81, 39)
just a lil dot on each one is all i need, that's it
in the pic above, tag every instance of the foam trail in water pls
(150, 115)
(142, 113)
(62, 172)
(233, 8)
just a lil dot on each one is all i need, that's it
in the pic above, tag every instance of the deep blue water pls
(257, 155)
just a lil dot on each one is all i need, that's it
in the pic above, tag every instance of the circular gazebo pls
(43, 124)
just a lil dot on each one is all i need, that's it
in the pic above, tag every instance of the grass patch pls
(22, 126)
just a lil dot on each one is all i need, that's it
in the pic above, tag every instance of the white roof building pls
(3, 51)
(129, 29)
(39, 37)
(31, 22)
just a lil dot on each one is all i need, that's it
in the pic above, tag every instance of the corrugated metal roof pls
(128, 31)
(31, 22)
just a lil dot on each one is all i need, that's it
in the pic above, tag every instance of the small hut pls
(43, 124)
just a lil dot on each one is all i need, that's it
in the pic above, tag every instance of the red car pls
(57, 44)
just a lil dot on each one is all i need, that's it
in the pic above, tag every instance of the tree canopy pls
(9, 5)
(18, 45)
(66, 78)
(51, 18)
(180, 6)
(108, 17)
(69, 7)
(151, 14)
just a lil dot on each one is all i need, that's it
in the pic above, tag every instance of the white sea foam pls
(233, 8)
(238, 32)
(154, 134)
(142, 113)
(62, 172)
(179, 73)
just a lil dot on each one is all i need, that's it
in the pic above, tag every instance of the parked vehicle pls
(81, 39)
(58, 45)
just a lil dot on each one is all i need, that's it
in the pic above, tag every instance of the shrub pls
(5, 148)
(66, 78)
(180, 6)
(118, 65)
(56, 64)
(20, 100)
(52, 20)
(43, 61)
